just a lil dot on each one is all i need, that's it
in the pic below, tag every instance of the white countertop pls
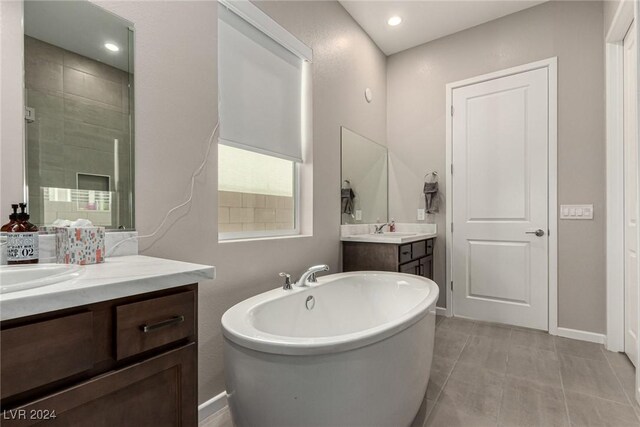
(117, 277)
(396, 238)
(405, 233)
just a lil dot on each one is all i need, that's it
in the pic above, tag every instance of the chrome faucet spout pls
(309, 275)
(379, 228)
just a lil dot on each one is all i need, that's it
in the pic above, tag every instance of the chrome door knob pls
(539, 232)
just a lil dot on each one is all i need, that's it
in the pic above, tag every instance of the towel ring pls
(346, 184)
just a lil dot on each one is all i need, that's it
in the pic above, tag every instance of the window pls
(260, 86)
(256, 194)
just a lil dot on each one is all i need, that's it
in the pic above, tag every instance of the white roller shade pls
(260, 90)
(243, 171)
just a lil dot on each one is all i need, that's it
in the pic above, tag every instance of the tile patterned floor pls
(494, 375)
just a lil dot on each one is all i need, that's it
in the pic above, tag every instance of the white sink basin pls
(20, 277)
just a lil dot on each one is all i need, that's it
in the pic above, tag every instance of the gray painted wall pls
(11, 106)
(572, 31)
(175, 112)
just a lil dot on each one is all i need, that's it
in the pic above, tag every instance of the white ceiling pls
(426, 20)
(81, 27)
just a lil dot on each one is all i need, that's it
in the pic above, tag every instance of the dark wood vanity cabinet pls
(411, 258)
(125, 362)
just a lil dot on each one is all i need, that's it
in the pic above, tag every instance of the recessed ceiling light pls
(112, 47)
(394, 20)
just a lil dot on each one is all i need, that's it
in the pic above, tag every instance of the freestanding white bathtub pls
(354, 349)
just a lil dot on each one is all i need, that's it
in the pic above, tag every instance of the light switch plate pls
(358, 215)
(420, 214)
(576, 211)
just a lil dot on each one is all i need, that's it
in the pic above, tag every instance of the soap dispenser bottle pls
(22, 240)
(12, 219)
(25, 219)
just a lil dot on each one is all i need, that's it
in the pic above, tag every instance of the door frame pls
(614, 54)
(626, 13)
(551, 64)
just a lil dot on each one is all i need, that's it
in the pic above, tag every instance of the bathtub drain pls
(310, 303)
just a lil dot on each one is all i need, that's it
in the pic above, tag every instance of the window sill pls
(262, 238)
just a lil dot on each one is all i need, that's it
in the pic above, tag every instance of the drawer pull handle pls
(405, 253)
(169, 322)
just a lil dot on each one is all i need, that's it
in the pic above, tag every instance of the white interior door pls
(500, 200)
(630, 198)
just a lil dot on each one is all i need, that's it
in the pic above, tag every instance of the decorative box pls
(80, 245)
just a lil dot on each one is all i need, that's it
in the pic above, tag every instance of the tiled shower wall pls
(254, 212)
(81, 107)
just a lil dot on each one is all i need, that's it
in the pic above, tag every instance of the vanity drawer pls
(405, 253)
(40, 353)
(145, 325)
(430, 247)
(419, 249)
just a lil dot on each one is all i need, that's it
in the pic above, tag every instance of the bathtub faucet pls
(309, 276)
(287, 281)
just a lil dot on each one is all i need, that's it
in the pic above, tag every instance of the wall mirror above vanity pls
(79, 122)
(364, 177)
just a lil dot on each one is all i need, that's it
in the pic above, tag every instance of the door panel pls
(630, 197)
(500, 197)
(496, 135)
(507, 284)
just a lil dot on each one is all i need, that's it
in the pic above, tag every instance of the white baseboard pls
(441, 311)
(582, 335)
(212, 406)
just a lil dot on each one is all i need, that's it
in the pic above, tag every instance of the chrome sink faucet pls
(379, 228)
(309, 276)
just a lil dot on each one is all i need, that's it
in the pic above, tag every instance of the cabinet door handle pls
(163, 324)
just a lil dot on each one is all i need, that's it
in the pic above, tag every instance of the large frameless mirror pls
(78, 69)
(364, 180)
